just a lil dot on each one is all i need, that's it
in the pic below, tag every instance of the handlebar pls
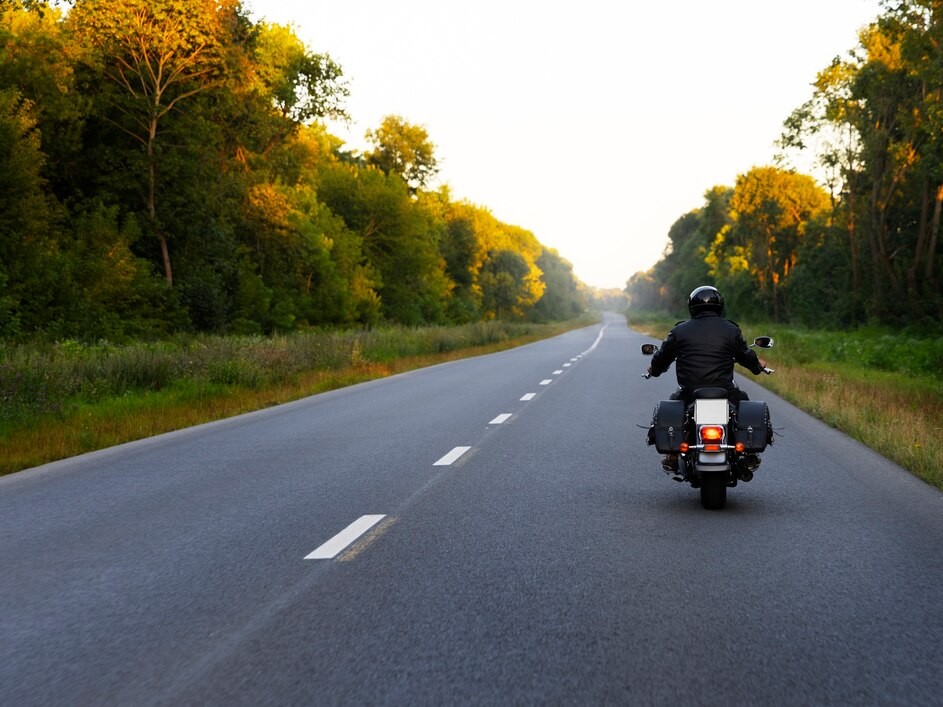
(767, 371)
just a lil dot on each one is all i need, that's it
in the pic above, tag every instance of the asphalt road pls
(504, 551)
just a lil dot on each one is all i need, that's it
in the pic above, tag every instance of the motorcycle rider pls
(704, 349)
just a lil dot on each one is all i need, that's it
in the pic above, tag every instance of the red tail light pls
(712, 433)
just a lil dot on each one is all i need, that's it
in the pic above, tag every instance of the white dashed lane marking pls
(344, 538)
(452, 456)
(362, 525)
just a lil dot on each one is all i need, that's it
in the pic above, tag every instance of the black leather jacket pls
(705, 349)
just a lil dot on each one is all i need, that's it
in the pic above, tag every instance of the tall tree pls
(156, 54)
(504, 284)
(827, 124)
(403, 149)
(400, 240)
(769, 211)
(26, 249)
(562, 297)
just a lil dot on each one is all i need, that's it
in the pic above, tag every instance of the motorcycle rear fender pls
(711, 412)
(712, 461)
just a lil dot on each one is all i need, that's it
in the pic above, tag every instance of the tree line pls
(861, 243)
(165, 167)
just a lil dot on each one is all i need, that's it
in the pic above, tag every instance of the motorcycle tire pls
(713, 492)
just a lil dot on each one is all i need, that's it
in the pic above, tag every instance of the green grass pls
(880, 387)
(59, 400)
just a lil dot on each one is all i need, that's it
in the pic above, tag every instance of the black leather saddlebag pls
(668, 425)
(753, 425)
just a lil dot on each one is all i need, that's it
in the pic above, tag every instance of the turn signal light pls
(683, 447)
(739, 446)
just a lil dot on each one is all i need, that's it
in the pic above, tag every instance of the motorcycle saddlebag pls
(753, 427)
(668, 425)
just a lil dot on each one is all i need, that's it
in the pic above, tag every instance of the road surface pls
(487, 531)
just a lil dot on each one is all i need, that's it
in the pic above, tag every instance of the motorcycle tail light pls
(712, 433)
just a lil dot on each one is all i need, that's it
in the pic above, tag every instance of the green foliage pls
(404, 150)
(870, 249)
(562, 298)
(162, 170)
(866, 348)
(47, 379)
(503, 282)
(460, 247)
(769, 211)
(303, 85)
(30, 257)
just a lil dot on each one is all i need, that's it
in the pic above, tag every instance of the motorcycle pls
(717, 441)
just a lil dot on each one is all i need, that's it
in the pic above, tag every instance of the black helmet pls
(705, 299)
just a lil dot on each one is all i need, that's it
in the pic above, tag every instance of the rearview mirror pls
(649, 349)
(764, 342)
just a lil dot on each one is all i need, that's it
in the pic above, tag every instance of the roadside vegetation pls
(166, 167)
(59, 400)
(170, 185)
(855, 249)
(882, 387)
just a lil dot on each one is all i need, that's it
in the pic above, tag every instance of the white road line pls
(546, 381)
(452, 456)
(529, 396)
(567, 365)
(503, 417)
(574, 360)
(558, 372)
(332, 547)
(598, 339)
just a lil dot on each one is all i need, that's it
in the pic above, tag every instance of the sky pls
(594, 124)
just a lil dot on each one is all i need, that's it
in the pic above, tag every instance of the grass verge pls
(882, 389)
(71, 399)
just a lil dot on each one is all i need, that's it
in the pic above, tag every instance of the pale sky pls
(594, 124)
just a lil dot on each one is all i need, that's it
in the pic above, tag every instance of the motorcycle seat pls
(710, 393)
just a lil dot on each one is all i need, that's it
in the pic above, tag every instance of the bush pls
(43, 378)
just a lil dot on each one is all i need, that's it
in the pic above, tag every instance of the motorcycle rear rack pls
(710, 448)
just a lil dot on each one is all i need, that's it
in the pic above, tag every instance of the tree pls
(303, 85)
(884, 104)
(405, 150)
(156, 54)
(400, 240)
(460, 249)
(35, 58)
(769, 211)
(562, 297)
(828, 120)
(922, 57)
(503, 284)
(30, 261)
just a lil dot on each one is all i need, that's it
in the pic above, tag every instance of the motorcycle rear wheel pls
(713, 492)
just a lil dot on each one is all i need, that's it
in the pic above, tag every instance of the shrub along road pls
(511, 539)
